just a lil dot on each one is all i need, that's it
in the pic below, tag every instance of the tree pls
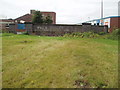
(48, 20)
(37, 18)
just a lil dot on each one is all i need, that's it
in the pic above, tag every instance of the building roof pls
(26, 17)
(47, 12)
(101, 19)
(6, 20)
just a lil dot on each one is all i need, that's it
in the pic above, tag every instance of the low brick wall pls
(58, 29)
(12, 28)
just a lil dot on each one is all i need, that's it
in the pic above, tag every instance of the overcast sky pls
(67, 11)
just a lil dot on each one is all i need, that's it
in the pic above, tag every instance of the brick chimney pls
(32, 12)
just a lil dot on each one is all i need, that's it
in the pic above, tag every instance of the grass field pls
(59, 62)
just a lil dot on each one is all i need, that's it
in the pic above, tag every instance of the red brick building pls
(114, 23)
(28, 17)
(4, 23)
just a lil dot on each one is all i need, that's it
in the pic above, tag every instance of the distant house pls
(4, 23)
(28, 17)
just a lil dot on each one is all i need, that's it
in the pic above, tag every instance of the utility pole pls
(101, 8)
(119, 8)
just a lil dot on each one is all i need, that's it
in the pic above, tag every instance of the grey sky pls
(67, 11)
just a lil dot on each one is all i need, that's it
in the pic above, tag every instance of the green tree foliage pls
(48, 20)
(37, 18)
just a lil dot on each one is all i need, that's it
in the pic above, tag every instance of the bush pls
(116, 32)
(0, 31)
(4, 31)
(7, 34)
(114, 35)
(101, 33)
(25, 33)
(82, 35)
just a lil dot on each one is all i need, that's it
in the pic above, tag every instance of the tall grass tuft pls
(83, 35)
(114, 35)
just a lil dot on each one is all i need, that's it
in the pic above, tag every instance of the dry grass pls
(58, 62)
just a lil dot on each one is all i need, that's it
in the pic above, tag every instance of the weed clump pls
(7, 34)
(82, 35)
(113, 36)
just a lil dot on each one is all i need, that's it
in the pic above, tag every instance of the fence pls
(55, 29)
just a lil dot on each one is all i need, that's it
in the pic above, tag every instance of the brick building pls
(28, 17)
(4, 23)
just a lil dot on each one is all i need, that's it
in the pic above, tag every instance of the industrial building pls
(113, 22)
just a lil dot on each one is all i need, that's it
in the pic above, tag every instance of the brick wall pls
(12, 28)
(58, 29)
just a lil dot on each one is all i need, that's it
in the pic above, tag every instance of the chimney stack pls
(32, 12)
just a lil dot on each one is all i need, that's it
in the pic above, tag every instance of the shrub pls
(25, 33)
(114, 35)
(87, 34)
(0, 31)
(82, 35)
(7, 34)
(66, 35)
(116, 32)
(4, 31)
(101, 33)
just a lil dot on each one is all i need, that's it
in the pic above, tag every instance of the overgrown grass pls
(59, 62)
(113, 36)
(82, 35)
